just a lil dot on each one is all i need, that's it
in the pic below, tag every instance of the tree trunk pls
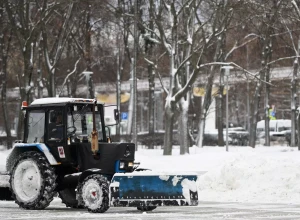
(39, 72)
(25, 86)
(88, 53)
(169, 121)
(264, 75)
(293, 100)
(205, 107)
(151, 105)
(3, 78)
(151, 87)
(267, 118)
(220, 110)
(170, 109)
(183, 127)
(254, 113)
(298, 133)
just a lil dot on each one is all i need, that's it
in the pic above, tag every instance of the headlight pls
(130, 164)
(122, 165)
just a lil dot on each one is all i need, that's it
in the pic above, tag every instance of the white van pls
(277, 127)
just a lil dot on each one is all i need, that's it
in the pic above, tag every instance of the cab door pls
(55, 133)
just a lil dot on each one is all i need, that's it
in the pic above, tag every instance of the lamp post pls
(227, 72)
(87, 75)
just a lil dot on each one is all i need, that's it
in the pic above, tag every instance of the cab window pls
(35, 126)
(55, 125)
(80, 122)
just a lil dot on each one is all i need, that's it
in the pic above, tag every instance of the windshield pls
(80, 122)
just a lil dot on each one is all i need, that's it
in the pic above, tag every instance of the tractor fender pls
(89, 172)
(23, 147)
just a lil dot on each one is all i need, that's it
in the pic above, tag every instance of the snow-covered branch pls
(291, 36)
(149, 61)
(161, 83)
(151, 39)
(235, 47)
(67, 77)
(296, 7)
(159, 76)
(283, 58)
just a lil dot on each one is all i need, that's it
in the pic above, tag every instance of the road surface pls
(205, 210)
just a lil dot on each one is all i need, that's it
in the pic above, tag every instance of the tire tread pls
(49, 184)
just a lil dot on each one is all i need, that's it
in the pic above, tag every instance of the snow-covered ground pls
(263, 174)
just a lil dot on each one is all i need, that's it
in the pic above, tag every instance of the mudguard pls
(92, 171)
(39, 146)
(5, 193)
(155, 189)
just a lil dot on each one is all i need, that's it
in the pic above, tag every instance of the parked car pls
(277, 127)
(236, 136)
(278, 130)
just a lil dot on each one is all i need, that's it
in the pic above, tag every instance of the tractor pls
(67, 150)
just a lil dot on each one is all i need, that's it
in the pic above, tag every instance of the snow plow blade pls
(146, 188)
(5, 193)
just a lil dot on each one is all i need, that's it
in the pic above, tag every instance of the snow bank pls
(263, 174)
(256, 176)
(3, 156)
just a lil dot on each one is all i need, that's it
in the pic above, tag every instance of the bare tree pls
(53, 52)
(183, 48)
(5, 38)
(26, 19)
(294, 85)
(268, 19)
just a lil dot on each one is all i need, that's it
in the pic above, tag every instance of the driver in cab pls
(56, 128)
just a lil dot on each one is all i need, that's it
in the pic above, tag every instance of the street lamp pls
(227, 72)
(87, 75)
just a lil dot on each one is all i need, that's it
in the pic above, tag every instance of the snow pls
(4, 181)
(59, 100)
(3, 156)
(244, 174)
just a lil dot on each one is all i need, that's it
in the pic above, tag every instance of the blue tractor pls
(67, 150)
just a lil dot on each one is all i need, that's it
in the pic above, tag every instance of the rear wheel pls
(93, 193)
(68, 197)
(33, 181)
(146, 208)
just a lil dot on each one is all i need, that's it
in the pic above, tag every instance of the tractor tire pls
(68, 197)
(93, 193)
(33, 181)
(146, 208)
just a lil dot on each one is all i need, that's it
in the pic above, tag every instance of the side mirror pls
(117, 115)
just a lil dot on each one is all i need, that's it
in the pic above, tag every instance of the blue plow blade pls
(147, 188)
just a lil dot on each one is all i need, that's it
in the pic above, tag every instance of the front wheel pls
(33, 181)
(146, 208)
(93, 193)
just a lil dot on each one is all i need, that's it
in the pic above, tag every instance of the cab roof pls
(55, 101)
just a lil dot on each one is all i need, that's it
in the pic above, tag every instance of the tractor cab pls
(74, 131)
(55, 120)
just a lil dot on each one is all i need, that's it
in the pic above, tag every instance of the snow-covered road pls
(244, 183)
(206, 210)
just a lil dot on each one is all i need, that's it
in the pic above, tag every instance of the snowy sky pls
(264, 174)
